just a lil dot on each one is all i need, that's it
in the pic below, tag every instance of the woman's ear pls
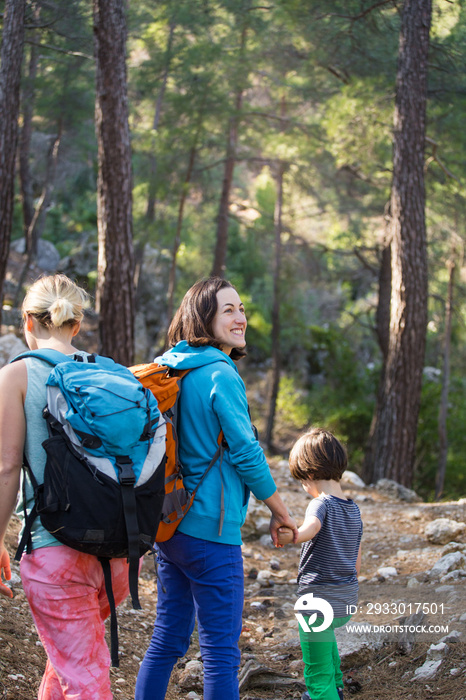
(28, 322)
(76, 328)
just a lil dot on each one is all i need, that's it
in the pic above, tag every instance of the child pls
(330, 556)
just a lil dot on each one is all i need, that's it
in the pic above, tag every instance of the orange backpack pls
(165, 384)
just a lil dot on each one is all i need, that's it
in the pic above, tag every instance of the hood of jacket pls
(185, 356)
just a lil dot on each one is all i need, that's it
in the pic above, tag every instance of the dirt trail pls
(393, 537)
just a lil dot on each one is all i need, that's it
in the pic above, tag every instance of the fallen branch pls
(255, 675)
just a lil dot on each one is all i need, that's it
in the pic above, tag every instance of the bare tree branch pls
(436, 158)
(59, 50)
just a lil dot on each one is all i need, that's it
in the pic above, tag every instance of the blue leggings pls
(203, 580)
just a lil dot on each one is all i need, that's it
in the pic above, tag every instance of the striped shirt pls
(327, 563)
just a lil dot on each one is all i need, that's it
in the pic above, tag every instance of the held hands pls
(280, 518)
(285, 536)
(277, 526)
(5, 572)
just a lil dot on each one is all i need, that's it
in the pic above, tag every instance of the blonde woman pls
(65, 588)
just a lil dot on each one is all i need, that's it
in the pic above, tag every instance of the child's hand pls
(285, 535)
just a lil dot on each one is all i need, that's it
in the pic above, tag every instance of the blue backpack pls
(104, 475)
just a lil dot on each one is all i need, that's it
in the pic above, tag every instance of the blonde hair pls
(318, 455)
(54, 301)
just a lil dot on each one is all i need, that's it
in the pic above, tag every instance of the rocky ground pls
(398, 578)
(406, 570)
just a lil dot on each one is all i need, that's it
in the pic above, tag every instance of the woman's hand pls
(280, 517)
(5, 572)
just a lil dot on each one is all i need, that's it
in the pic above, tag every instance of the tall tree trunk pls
(443, 408)
(383, 337)
(115, 285)
(10, 79)
(25, 178)
(150, 211)
(220, 254)
(397, 414)
(276, 355)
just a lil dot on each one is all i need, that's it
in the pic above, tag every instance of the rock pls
(427, 670)
(141, 339)
(352, 479)
(450, 562)
(357, 647)
(452, 637)
(262, 526)
(263, 577)
(10, 346)
(192, 675)
(432, 374)
(443, 530)
(445, 589)
(387, 571)
(83, 258)
(454, 547)
(395, 490)
(413, 514)
(409, 632)
(151, 295)
(257, 519)
(453, 575)
(413, 583)
(435, 655)
(297, 665)
(48, 257)
(266, 541)
(437, 651)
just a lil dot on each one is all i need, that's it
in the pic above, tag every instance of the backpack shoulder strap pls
(26, 541)
(53, 357)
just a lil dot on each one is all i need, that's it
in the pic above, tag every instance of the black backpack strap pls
(113, 618)
(26, 541)
(127, 481)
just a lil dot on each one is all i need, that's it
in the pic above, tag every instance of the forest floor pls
(393, 536)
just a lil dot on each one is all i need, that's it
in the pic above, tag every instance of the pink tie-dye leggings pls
(66, 593)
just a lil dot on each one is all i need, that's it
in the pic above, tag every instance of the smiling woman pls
(200, 569)
(229, 325)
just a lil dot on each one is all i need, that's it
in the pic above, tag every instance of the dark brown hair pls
(318, 455)
(194, 318)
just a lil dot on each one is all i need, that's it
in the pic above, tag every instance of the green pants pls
(322, 673)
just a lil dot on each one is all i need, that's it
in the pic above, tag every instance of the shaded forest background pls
(260, 140)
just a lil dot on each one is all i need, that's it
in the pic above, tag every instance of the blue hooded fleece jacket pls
(213, 398)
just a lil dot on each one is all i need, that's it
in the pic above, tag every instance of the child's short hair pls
(318, 455)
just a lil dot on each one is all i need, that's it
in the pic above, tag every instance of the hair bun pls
(60, 312)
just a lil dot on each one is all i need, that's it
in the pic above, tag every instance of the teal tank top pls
(36, 432)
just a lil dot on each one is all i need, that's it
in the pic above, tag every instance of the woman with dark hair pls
(200, 569)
